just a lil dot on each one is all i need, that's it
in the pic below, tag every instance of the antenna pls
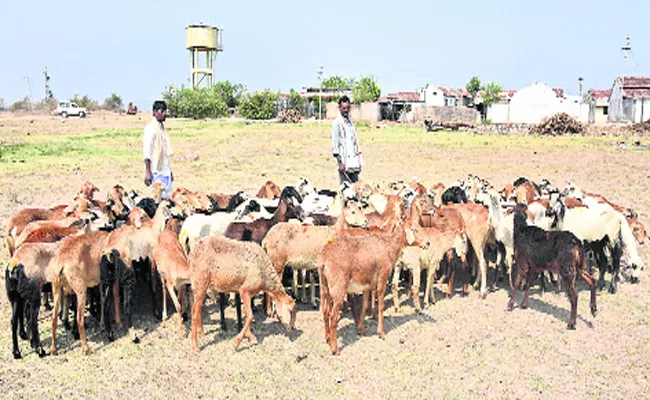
(626, 51)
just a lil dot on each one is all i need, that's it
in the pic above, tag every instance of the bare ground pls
(458, 348)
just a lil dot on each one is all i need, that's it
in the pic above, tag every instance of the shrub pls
(260, 105)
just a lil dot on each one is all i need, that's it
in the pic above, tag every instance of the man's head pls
(160, 110)
(344, 106)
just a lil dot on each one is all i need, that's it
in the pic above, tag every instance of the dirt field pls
(458, 348)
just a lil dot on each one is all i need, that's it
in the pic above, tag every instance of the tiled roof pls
(600, 93)
(636, 87)
(407, 97)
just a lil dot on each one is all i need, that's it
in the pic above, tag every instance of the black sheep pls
(24, 295)
(148, 205)
(537, 250)
(455, 195)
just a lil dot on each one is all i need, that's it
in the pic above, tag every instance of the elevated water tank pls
(202, 40)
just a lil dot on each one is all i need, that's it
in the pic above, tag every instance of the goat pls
(235, 266)
(454, 194)
(269, 191)
(537, 250)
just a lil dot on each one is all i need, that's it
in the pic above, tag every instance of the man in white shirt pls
(157, 149)
(345, 145)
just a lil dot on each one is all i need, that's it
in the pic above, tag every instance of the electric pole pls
(320, 92)
(626, 51)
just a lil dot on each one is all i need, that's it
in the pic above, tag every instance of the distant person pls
(157, 149)
(345, 145)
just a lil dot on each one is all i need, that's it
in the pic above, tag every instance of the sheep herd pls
(356, 242)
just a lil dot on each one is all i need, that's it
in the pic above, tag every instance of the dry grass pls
(459, 348)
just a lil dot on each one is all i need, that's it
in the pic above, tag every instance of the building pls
(438, 96)
(399, 106)
(630, 99)
(598, 105)
(534, 103)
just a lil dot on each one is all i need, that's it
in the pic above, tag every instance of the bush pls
(366, 90)
(230, 93)
(260, 105)
(200, 103)
(113, 103)
(85, 101)
(22, 105)
(296, 102)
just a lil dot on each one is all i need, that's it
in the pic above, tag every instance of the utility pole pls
(29, 86)
(580, 99)
(626, 51)
(320, 92)
(48, 93)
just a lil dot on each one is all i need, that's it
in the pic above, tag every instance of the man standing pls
(345, 145)
(157, 149)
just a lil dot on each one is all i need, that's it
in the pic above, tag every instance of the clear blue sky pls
(136, 47)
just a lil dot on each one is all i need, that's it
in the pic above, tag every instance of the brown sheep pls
(269, 191)
(298, 246)
(357, 264)
(19, 221)
(75, 269)
(235, 267)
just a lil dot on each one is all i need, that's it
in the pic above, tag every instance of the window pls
(605, 109)
(450, 101)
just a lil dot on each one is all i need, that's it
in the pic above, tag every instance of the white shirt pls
(345, 143)
(150, 149)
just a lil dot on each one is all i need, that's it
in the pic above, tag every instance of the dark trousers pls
(348, 176)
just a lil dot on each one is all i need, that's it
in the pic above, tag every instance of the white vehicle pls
(66, 108)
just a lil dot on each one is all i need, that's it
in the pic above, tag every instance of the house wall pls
(446, 114)
(615, 113)
(599, 114)
(499, 113)
(641, 110)
(365, 112)
(433, 96)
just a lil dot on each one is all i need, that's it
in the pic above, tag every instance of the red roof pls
(559, 92)
(636, 86)
(600, 93)
(406, 97)
(454, 92)
(509, 93)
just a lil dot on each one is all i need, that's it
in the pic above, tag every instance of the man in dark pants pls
(345, 145)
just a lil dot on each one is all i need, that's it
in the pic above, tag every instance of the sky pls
(135, 48)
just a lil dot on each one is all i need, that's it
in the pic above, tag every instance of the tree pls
(490, 93)
(473, 86)
(336, 82)
(22, 105)
(260, 105)
(366, 90)
(190, 103)
(113, 102)
(296, 102)
(85, 102)
(230, 93)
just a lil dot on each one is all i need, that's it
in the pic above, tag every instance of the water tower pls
(203, 42)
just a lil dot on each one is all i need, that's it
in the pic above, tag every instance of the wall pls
(433, 96)
(642, 110)
(446, 114)
(615, 113)
(499, 113)
(365, 112)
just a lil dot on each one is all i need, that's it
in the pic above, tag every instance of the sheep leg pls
(246, 331)
(592, 287)
(46, 301)
(181, 299)
(312, 288)
(450, 284)
(483, 268)
(197, 310)
(65, 311)
(573, 299)
(75, 324)
(238, 301)
(81, 308)
(15, 316)
(414, 289)
(56, 293)
(373, 303)
(361, 329)
(116, 304)
(381, 293)
(128, 282)
(303, 288)
(601, 260)
(164, 285)
(334, 323)
(429, 286)
(616, 267)
(222, 310)
(524, 302)
(154, 291)
(268, 304)
(520, 275)
(294, 283)
(106, 314)
(22, 332)
(35, 341)
(395, 286)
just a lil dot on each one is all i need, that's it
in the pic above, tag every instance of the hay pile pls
(558, 124)
(289, 117)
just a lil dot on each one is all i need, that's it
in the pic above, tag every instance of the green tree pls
(259, 105)
(113, 102)
(189, 103)
(473, 86)
(337, 81)
(366, 90)
(22, 105)
(296, 102)
(85, 102)
(231, 93)
(490, 93)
